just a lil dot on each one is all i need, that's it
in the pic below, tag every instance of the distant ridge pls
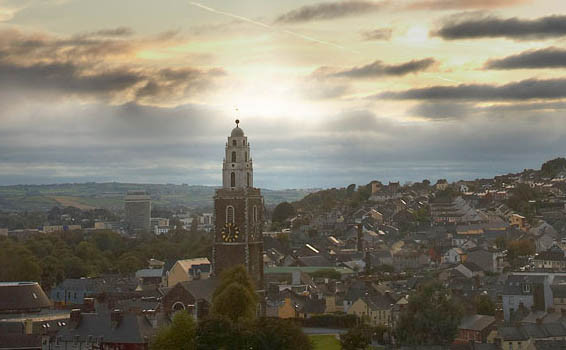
(109, 195)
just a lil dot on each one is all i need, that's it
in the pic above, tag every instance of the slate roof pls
(513, 285)
(379, 302)
(314, 260)
(558, 290)
(149, 273)
(132, 329)
(476, 322)
(22, 296)
(550, 344)
(20, 341)
(201, 289)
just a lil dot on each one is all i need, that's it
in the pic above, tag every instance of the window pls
(245, 156)
(229, 214)
(248, 180)
(255, 214)
(244, 142)
(234, 157)
(234, 143)
(233, 179)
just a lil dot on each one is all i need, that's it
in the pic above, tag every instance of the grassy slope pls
(325, 342)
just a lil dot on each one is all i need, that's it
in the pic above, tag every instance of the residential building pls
(475, 328)
(376, 309)
(188, 270)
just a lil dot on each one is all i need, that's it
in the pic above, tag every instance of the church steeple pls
(237, 170)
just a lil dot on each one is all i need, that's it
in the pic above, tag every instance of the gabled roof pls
(476, 322)
(201, 289)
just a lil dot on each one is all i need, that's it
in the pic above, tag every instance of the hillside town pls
(491, 250)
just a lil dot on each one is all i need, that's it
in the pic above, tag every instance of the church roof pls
(237, 132)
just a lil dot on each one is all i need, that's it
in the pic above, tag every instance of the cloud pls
(184, 144)
(522, 90)
(493, 27)
(377, 34)
(377, 69)
(551, 57)
(330, 10)
(462, 4)
(113, 32)
(83, 65)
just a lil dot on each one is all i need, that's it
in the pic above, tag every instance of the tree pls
(235, 297)
(279, 334)
(234, 302)
(282, 212)
(357, 338)
(215, 333)
(431, 317)
(484, 305)
(553, 167)
(180, 335)
(237, 274)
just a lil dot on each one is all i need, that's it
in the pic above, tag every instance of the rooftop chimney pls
(75, 318)
(116, 317)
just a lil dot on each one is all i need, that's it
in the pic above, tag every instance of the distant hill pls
(110, 195)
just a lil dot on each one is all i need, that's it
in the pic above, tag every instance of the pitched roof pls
(132, 329)
(21, 296)
(476, 322)
(201, 289)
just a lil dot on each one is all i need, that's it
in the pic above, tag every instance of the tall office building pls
(137, 205)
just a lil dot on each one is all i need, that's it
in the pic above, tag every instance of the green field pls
(111, 195)
(325, 342)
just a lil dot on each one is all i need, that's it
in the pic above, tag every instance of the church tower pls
(238, 209)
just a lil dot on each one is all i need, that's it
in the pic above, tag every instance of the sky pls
(328, 92)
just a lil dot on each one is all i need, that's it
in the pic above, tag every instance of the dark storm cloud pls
(513, 28)
(330, 10)
(462, 4)
(522, 90)
(377, 69)
(551, 57)
(377, 34)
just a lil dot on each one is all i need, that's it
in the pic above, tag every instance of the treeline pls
(55, 216)
(50, 258)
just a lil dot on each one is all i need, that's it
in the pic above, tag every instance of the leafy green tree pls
(553, 167)
(356, 338)
(180, 335)
(52, 272)
(282, 212)
(430, 318)
(238, 274)
(235, 297)
(215, 333)
(235, 302)
(279, 334)
(484, 305)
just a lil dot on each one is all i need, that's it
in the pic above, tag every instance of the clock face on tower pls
(230, 232)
